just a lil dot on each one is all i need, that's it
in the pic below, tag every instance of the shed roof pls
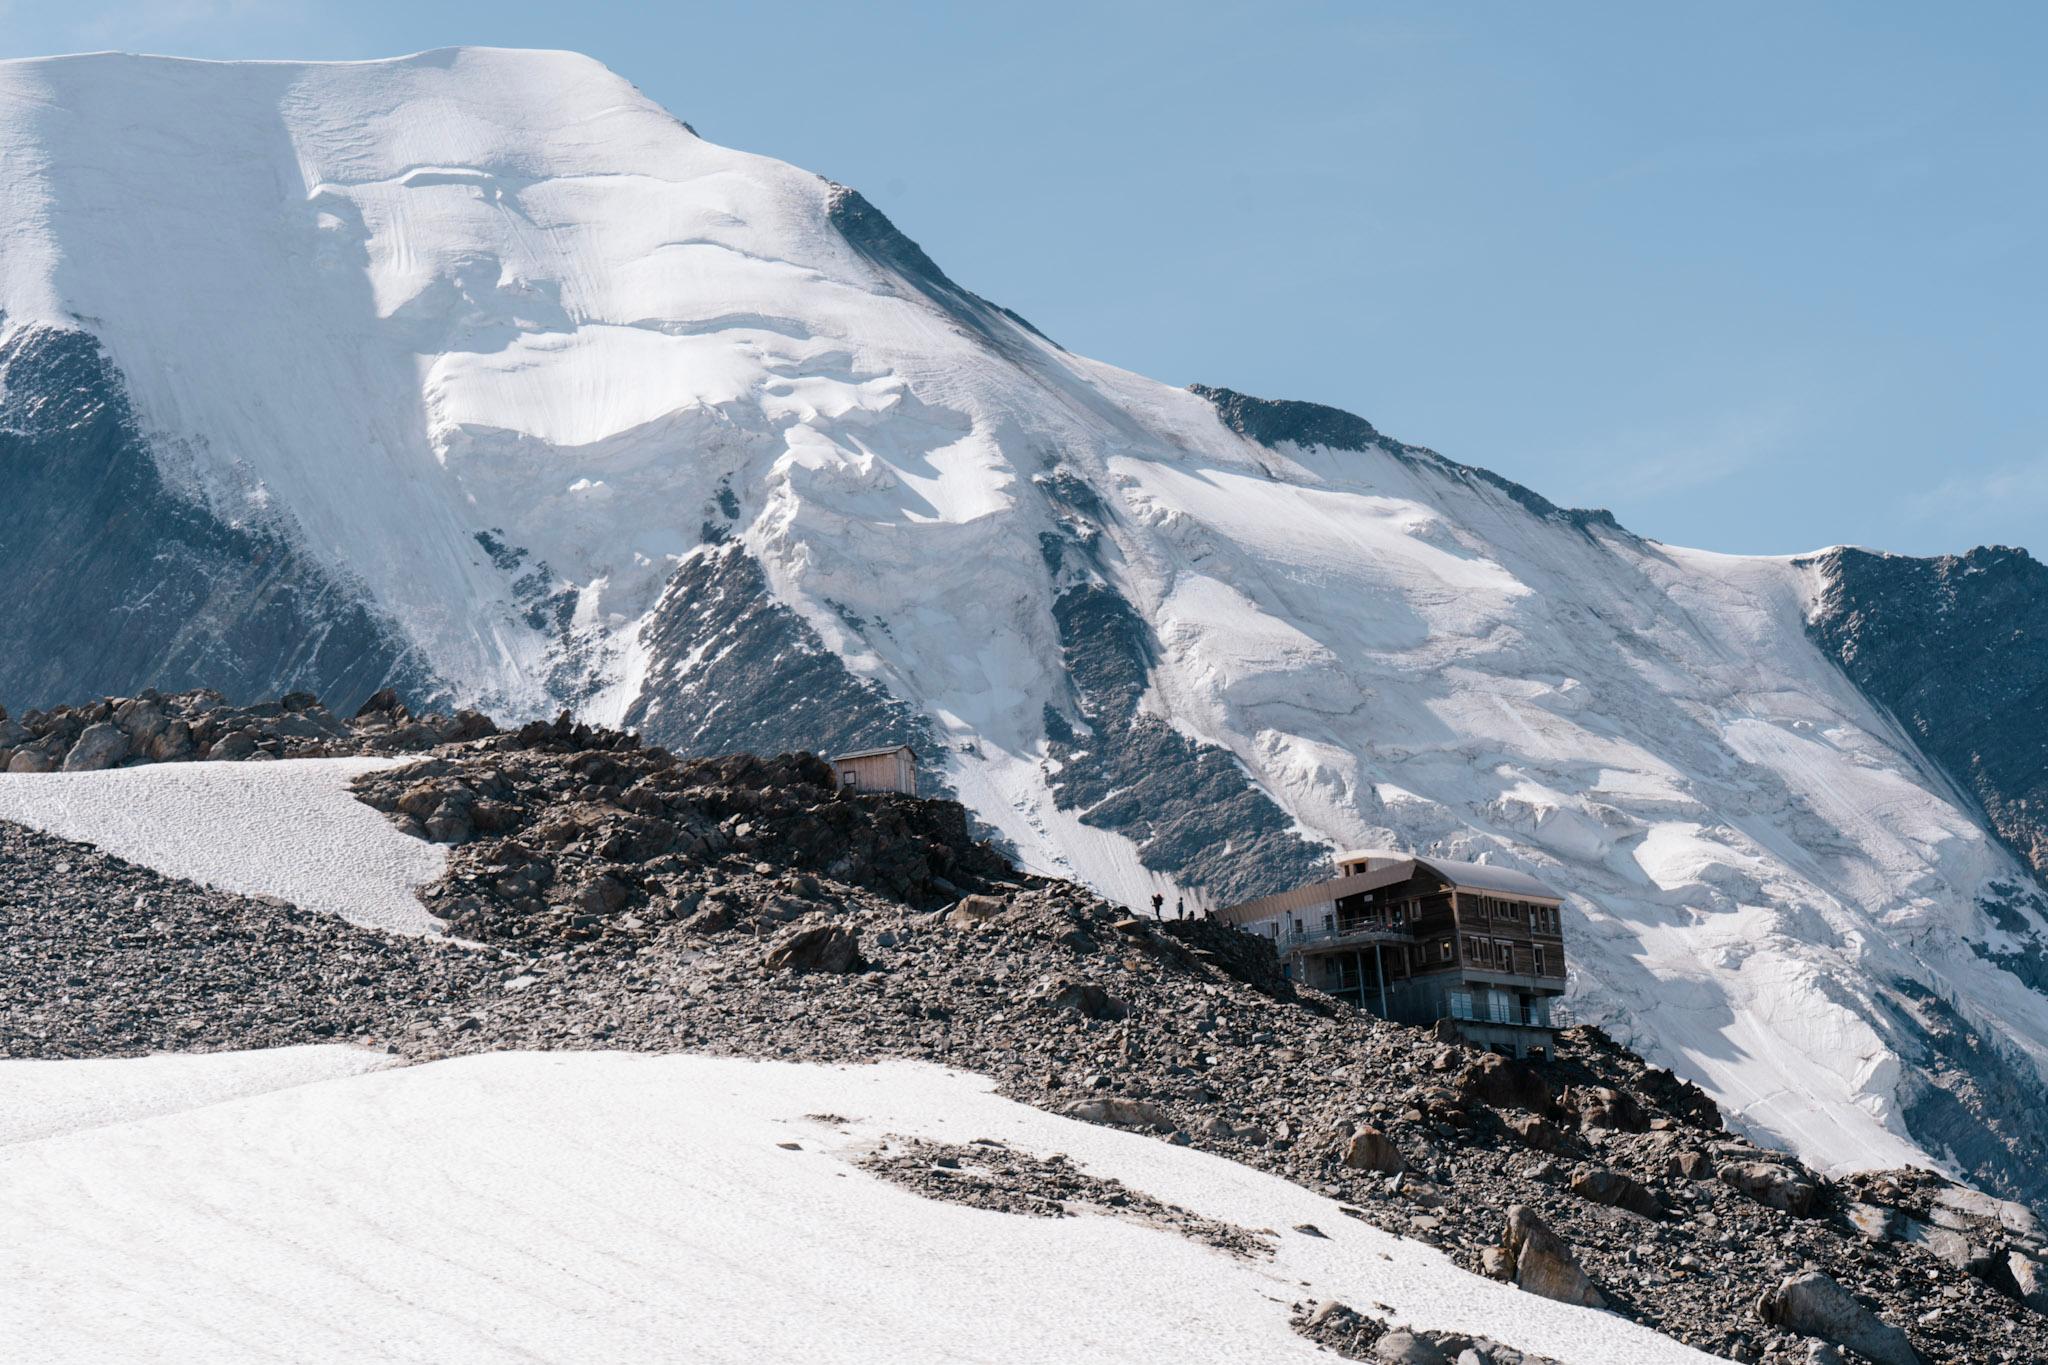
(875, 753)
(1485, 877)
(1502, 881)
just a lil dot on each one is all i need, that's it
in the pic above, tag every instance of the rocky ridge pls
(745, 906)
(201, 725)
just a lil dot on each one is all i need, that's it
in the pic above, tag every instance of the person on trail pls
(1180, 907)
(1158, 901)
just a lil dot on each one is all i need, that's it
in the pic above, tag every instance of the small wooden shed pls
(879, 770)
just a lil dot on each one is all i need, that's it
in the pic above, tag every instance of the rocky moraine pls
(604, 893)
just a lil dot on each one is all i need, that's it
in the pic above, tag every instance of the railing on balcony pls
(1349, 931)
(1496, 1009)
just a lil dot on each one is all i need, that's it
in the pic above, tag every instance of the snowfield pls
(479, 291)
(290, 828)
(607, 1206)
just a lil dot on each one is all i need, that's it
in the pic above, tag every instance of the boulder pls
(603, 894)
(33, 758)
(1945, 1244)
(101, 746)
(1082, 997)
(1120, 1112)
(142, 721)
(972, 912)
(814, 945)
(1601, 1107)
(232, 746)
(1405, 1348)
(172, 744)
(1772, 1185)
(1368, 1149)
(1505, 1083)
(1539, 1132)
(1813, 1305)
(1873, 1221)
(382, 705)
(2030, 1277)
(1542, 1263)
(1689, 1165)
(1618, 1191)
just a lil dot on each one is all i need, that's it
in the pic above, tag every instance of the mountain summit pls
(477, 375)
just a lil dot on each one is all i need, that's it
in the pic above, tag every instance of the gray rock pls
(1120, 1112)
(1772, 1185)
(1946, 1244)
(1081, 997)
(1405, 1348)
(1813, 1305)
(972, 912)
(1874, 1221)
(33, 758)
(101, 746)
(1617, 1190)
(813, 945)
(236, 744)
(1368, 1149)
(1543, 1264)
(2030, 1277)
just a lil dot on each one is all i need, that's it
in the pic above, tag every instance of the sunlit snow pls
(290, 828)
(605, 1206)
(478, 290)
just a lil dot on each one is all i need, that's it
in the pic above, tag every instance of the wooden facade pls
(878, 770)
(1420, 940)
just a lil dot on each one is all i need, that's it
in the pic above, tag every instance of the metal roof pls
(1484, 877)
(1500, 881)
(875, 753)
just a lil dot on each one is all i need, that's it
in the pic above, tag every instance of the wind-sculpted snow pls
(603, 1206)
(513, 353)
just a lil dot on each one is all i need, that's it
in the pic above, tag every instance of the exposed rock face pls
(870, 232)
(1274, 422)
(1814, 1305)
(732, 670)
(565, 833)
(93, 534)
(1190, 808)
(1955, 647)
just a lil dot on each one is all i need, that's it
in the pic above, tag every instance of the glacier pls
(568, 407)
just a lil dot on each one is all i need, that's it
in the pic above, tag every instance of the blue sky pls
(1759, 277)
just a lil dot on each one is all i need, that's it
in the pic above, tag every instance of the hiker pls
(1158, 903)
(1180, 907)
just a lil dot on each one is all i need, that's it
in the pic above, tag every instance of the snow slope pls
(41, 1099)
(627, 1208)
(488, 293)
(289, 828)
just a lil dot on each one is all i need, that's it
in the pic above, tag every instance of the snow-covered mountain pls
(477, 373)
